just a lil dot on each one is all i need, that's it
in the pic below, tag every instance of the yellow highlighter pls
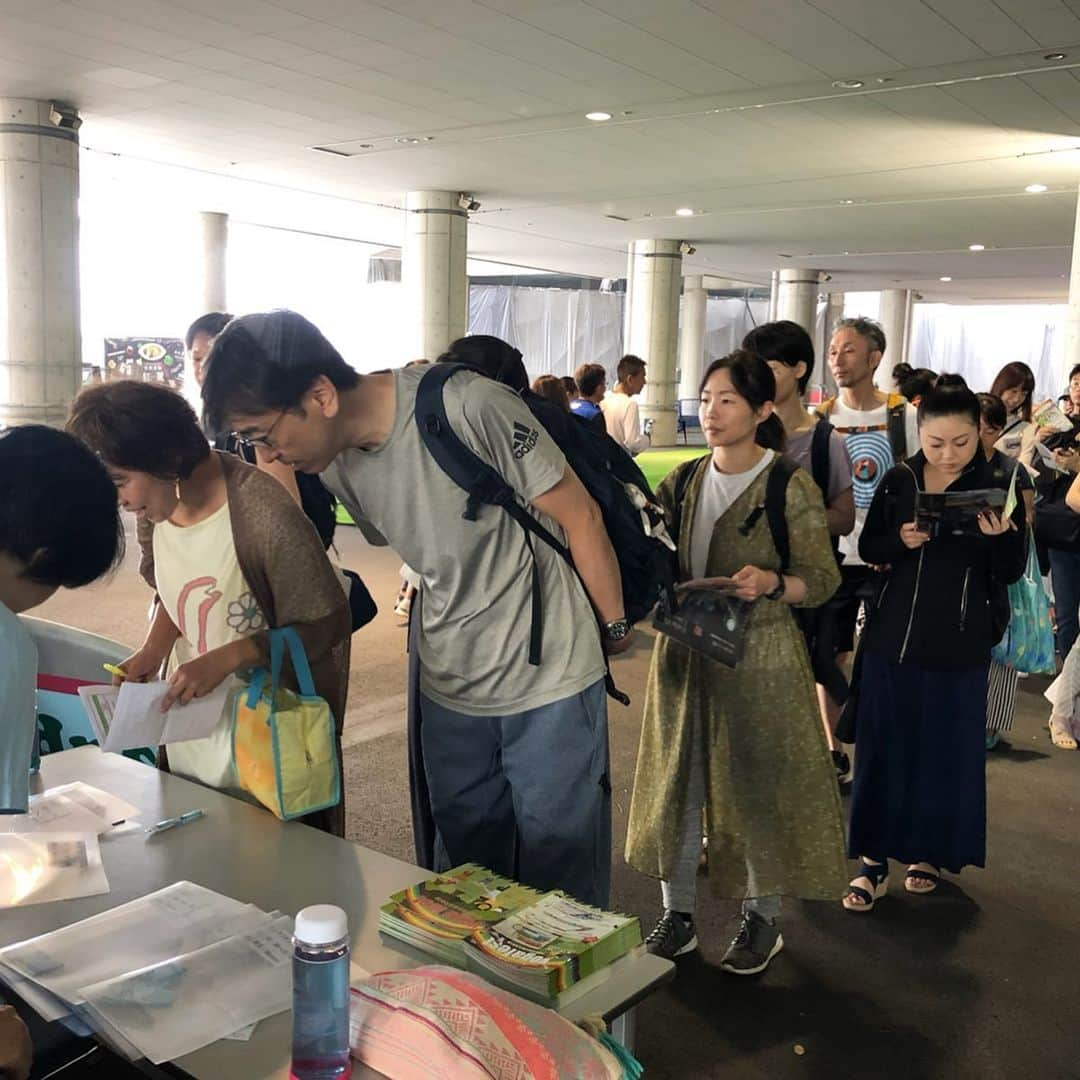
(112, 669)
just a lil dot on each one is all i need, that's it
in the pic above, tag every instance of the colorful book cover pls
(454, 904)
(559, 936)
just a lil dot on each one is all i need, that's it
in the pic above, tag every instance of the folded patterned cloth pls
(433, 1022)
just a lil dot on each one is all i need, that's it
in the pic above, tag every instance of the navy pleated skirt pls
(920, 765)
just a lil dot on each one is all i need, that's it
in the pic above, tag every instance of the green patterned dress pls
(773, 808)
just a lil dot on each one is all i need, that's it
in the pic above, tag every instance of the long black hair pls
(755, 383)
(950, 396)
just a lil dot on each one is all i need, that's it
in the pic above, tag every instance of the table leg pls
(624, 1028)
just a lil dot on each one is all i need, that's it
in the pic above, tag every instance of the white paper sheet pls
(75, 807)
(129, 716)
(175, 1007)
(38, 868)
(170, 922)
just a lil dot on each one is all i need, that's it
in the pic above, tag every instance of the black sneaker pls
(842, 764)
(756, 943)
(674, 935)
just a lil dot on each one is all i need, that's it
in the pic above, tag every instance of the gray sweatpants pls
(526, 795)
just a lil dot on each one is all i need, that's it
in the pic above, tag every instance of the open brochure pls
(709, 621)
(956, 513)
(129, 716)
(1047, 415)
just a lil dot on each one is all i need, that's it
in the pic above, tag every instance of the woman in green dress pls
(745, 743)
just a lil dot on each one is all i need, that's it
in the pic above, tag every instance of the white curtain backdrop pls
(556, 329)
(977, 342)
(728, 320)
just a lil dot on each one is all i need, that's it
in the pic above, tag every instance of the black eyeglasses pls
(261, 440)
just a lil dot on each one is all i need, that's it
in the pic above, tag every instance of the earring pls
(178, 489)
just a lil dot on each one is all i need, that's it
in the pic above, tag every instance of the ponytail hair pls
(755, 383)
(949, 396)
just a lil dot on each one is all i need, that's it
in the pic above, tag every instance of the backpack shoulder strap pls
(819, 455)
(481, 482)
(683, 475)
(897, 426)
(776, 507)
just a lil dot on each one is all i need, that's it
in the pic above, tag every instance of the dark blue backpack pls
(632, 517)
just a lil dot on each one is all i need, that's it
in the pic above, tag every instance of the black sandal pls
(931, 877)
(878, 876)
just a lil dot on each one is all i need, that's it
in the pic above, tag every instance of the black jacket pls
(945, 605)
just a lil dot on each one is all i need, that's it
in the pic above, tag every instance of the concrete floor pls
(977, 981)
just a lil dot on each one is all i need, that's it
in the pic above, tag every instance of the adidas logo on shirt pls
(524, 439)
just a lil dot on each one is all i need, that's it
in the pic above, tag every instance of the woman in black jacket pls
(920, 784)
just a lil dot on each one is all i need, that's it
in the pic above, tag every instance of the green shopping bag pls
(1028, 642)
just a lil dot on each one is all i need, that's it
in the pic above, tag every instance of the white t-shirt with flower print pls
(203, 589)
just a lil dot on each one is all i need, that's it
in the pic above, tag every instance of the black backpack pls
(633, 519)
(773, 504)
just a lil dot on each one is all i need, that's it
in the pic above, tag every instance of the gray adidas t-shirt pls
(477, 575)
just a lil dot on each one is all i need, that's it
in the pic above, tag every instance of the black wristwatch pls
(778, 592)
(617, 630)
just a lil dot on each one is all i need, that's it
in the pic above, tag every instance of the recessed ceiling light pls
(847, 202)
(976, 247)
(848, 84)
(944, 279)
(1054, 56)
(684, 211)
(1035, 189)
(598, 115)
(406, 140)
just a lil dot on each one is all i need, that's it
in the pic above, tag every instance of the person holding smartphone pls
(920, 788)
(744, 742)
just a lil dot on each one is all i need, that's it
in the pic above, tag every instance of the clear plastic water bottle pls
(320, 1042)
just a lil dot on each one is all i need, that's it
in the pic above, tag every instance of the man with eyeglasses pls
(515, 754)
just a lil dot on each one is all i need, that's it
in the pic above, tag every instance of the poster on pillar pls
(146, 359)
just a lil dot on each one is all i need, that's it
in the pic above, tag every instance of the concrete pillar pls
(433, 272)
(774, 294)
(796, 297)
(834, 312)
(628, 302)
(214, 231)
(894, 314)
(40, 344)
(1071, 351)
(692, 336)
(654, 330)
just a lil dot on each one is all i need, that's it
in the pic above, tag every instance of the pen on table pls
(172, 823)
(112, 669)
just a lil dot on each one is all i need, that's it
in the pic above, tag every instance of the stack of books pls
(545, 946)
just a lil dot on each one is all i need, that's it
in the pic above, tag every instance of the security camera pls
(64, 116)
(686, 248)
(467, 202)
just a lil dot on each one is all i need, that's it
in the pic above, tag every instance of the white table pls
(244, 852)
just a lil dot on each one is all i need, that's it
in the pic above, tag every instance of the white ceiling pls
(726, 106)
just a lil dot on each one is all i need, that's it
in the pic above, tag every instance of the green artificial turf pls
(655, 464)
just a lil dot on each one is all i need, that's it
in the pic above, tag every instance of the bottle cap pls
(321, 924)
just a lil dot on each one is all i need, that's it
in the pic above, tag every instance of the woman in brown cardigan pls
(229, 555)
